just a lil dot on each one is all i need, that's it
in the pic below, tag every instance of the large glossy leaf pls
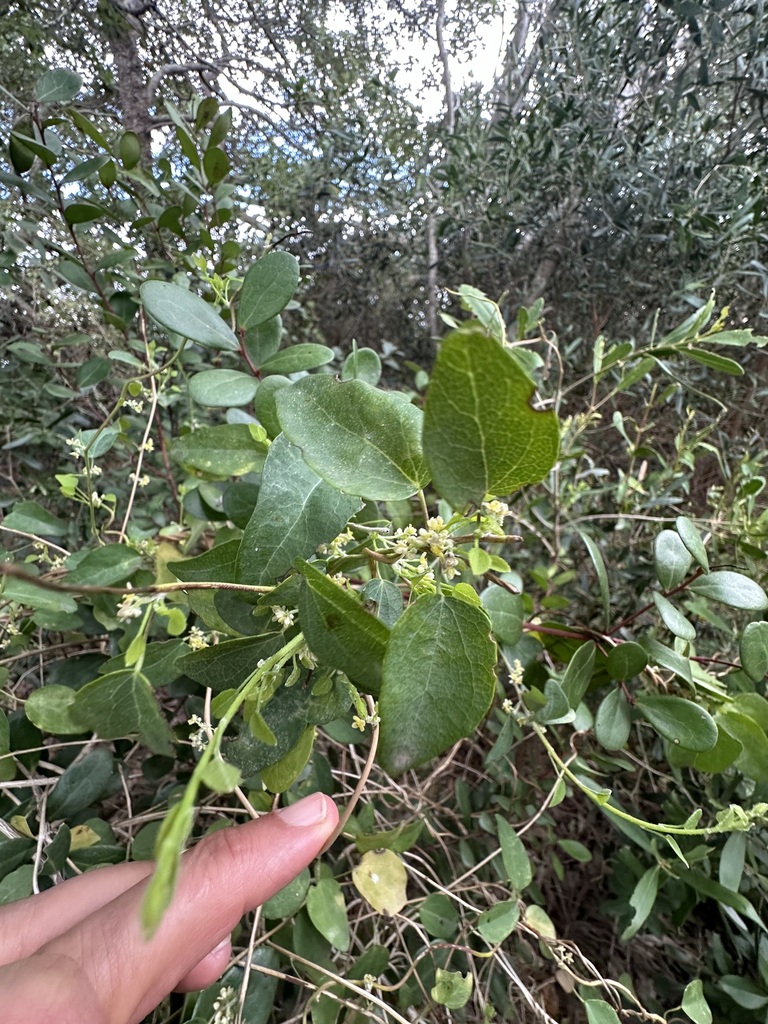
(438, 680)
(224, 388)
(680, 721)
(626, 660)
(267, 288)
(182, 312)
(296, 511)
(480, 432)
(340, 632)
(733, 589)
(361, 440)
(121, 704)
(226, 450)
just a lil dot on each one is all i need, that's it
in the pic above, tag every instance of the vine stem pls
(9, 569)
(144, 439)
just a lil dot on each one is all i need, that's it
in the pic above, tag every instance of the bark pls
(132, 90)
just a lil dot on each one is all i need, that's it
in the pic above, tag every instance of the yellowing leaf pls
(381, 879)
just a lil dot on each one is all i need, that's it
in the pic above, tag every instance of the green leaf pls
(49, 709)
(517, 864)
(506, 613)
(28, 593)
(600, 1012)
(397, 839)
(298, 358)
(452, 989)
(642, 901)
(182, 312)
(613, 721)
(281, 775)
(229, 663)
(58, 86)
(753, 649)
(691, 537)
(732, 589)
(484, 309)
(340, 632)
(731, 866)
(475, 446)
(626, 660)
(93, 371)
(296, 511)
(575, 849)
(437, 682)
(220, 776)
(753, 758)
(598, 561)
(694, 1004)
(223, 388)
(439, 915)
(121, 704)
(361, 440)
(672, 558)
(722, 755)
(498, 923)
(714, 361)
(659, 654)
(556, 708)
(678, 720)
(22, 158)
(16, 885)
(387, 598)
(83, 213)
(105, 566)
(265, 403)
(225, 450)
(328, 912)
(130, 150)
(579, 674)
(217, 565)
(743, 992)
(81, 785)
(267, 288)
(381, 879)
(672, 618)
(29, 517)
(362, 364)
(290, 899)
(263, 341)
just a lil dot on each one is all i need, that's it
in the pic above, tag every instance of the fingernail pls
(224, 944)
(309, 811)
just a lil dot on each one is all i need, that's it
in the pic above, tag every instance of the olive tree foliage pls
(617, 165)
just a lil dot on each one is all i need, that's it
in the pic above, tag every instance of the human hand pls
(76, 954)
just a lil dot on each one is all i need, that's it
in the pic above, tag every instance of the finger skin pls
(28, 924)
(104, 967)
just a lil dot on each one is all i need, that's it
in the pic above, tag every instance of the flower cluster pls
(142, 480)
(11, 631)
(77, 447)
(134, 403)
(283, 616)
(197, 640)
(225, 1006)
(131, 606)
(433, 540)
(199, 738)
(336, 547)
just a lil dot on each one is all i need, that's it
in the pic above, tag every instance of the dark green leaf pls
(218, 565)
(29, 517)
(498, 923)
(714, 361)
(130, 150)
(265, 403)
(296, 511)
(224, 388)
(387, 598)
(743, 992)
(297, 358)
(49, 709)
(82, 213)
(474, 446)
(642, 901)
(437, 682)
(680, 721)
(121, 704)
(517, 863)
(263, 341)
(93, 371)
(81, 784)
(361, 440)
(182, 312)
(105, 566)
(28, 593)
(579, 674)
(397, 839)
(17, 884)
(226, 450)
(659, 654)
(340, 632)
(596, 556)
(626, 660)
(439, 916)
(506, 613)
(733, 589)
(290, 899)
(229, 664)
(613, 721)
(267, 288)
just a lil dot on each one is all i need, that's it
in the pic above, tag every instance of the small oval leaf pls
(679, 720)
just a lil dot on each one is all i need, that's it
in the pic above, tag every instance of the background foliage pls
(560, 520)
